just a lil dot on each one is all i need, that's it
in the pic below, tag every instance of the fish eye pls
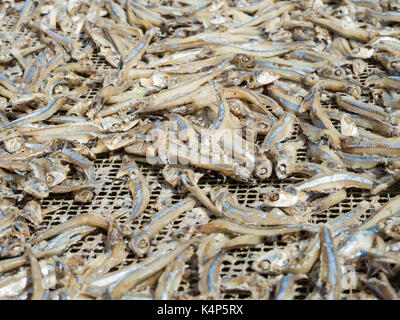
(391, 167)
(234, 108)
(85, 193)
(393, 65)
(49, 178)
(338, 72)
(274, 196)
(349, 89)
(142, 243)
(282, 168)
(265, 264)
(324, 97)
(262, 171)
(312, 79)
(236, 111)
(245, 59)
(41, 187)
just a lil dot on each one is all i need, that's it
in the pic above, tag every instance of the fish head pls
(279, 35)
(37, 188)
(275, 261)
(23, 99)
(84, 196)
(359, 66)
(113, 142)
(395, 65)
(393, 246)
(282, 165)
(242, 173)
(56, 175)
(341, 11)
(110, 124)
(311, 79)
(377, 94)
(284, 197)
(353, 90)
(172, 175)
(140, 243)
(347, 126)
(33, 212)
(217, 193)
(111, 57)
(244, 60)
(363, 52)
(390, 227)
(160, 80)
(78, 54)
(373, 21)
(263, 78)
(394, 5)
(126, 169)
(79, 108)
(21, 230)
(263, 169)
(12, 145)
(332, 72)
(237, 107)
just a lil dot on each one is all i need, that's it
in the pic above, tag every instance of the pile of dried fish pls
(197, 87)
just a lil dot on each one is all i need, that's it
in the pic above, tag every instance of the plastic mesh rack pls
(115, 196)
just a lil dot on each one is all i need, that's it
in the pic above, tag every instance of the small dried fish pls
(297, 101)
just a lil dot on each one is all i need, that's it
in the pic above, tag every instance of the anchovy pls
(39, 115)
(135, 276)
(328, 181)
(81, 220)
(232, 210)
(279, 131)
(138, 186)
(141, 241)
(330, 273)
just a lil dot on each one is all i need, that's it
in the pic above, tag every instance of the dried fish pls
(141, 240)
(138, 186)
(102, 102)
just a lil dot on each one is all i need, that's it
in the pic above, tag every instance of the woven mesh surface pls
(114, 197)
